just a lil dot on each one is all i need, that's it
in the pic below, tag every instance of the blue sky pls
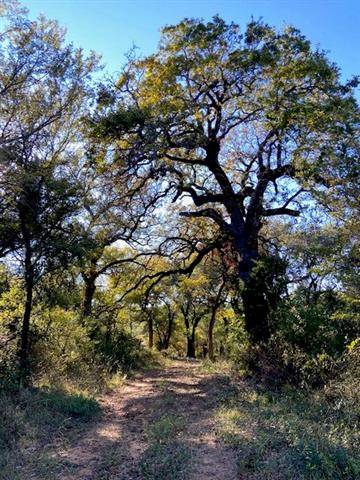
(111, 27)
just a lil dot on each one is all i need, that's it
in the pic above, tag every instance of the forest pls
(179, 257)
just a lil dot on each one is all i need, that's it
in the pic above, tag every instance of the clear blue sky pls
(111, 27)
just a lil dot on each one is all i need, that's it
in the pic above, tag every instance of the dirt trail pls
(113, 448)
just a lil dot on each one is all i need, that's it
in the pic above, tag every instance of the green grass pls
(76, 405)
(166, 428)
(219, 367)
(165, 462)
(166, 457)
(33, 419)
(290, 435)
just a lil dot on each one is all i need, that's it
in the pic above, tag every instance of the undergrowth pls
(52, 412)
(290, 435)
(166, 457)
(31, 420)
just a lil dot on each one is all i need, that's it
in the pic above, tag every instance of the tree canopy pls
(246, 128)
(194, 202)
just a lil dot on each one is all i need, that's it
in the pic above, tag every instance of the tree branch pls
(209, 213)
(280, 211)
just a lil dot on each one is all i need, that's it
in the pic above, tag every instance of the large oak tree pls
(243, 128)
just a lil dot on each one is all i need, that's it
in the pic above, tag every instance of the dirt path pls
(151, 424)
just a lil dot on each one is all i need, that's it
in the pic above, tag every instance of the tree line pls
(205, 200)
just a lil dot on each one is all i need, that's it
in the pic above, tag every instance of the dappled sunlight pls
(168, 404)
(295, 433)
(179, 247)
(109, 432)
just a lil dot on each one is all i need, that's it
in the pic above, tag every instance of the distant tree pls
(114, 208)
(215, 289)
(247, 127)
(166, 322)
(160, 309)
(192, 306)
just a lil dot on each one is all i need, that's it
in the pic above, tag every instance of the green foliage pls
(33, 418)
(311, 333)
(67, 350)
(297, 436)
(11, 311)
(165, 429)
(62, 349)
(243, 126)
(119, 350)
(76, 405)
(316, 327)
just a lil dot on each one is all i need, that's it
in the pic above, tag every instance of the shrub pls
(119, 350)
(75, 404)
(308, 346)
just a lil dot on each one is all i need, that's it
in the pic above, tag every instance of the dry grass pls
(31, 421)
(290, 435)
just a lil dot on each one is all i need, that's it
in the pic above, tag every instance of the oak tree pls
(241, 127)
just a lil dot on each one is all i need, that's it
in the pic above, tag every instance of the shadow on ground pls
(159, 425)
(31, 420)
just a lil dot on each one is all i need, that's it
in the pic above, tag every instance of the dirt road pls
(159, 425)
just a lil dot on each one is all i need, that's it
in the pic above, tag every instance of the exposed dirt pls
(112, 448)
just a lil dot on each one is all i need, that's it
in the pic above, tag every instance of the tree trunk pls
(166, 343)
(168, 334)
(214, 310)
(190, 351)
(256, 313)
(150, 323)
(222, 349)
(190, 331)
(211, 335)
(25, 329)
(89, 291)
(164, 339)
(256, 310)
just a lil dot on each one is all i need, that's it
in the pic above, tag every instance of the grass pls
(32, 419)
(289, 435)
(76, 405)
(166, 457)
(221, 367)
(285, 434)
(165, 429)
(165, 462)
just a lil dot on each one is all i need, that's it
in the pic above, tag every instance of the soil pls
(112, 448)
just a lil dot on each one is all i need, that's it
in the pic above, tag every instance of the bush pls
(75, 405)
(313, 323)
(341, 391)
(62, 351)
(309, 343)
(64, 348)
(278, 363)
(118, 350)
